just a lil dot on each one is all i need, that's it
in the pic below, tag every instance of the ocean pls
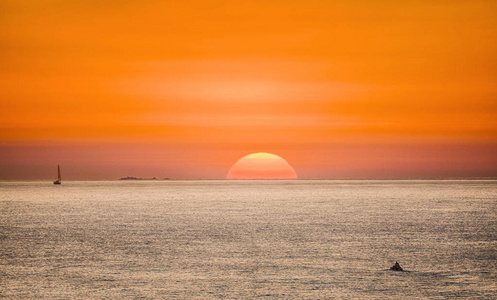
(295, 239)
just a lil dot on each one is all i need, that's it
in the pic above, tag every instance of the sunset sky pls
(183, 89)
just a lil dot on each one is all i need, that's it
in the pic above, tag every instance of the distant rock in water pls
(129, 178)
(396, 267)
(136, 178)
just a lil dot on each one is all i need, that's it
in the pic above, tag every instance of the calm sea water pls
(248, 239)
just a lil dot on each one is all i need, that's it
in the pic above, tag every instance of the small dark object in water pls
(396, 267)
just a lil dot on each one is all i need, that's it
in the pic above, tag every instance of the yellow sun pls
(261, 166)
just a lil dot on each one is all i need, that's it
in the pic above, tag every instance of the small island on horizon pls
(137, 178)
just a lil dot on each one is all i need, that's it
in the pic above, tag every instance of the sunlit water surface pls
(248, 239)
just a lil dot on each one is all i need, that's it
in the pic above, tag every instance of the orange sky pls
(183, 89)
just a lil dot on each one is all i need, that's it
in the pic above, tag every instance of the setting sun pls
(261, 166)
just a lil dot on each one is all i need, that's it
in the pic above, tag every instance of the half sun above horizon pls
(261, 166)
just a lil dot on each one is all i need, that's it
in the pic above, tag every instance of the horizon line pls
(261, 179)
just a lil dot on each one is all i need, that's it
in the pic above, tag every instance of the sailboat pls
(58, 177)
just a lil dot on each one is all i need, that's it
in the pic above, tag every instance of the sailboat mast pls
(58, 176)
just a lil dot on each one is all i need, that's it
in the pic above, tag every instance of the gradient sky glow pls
(183, 89)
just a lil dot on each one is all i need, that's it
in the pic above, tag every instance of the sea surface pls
(296, 239)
